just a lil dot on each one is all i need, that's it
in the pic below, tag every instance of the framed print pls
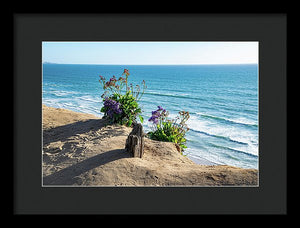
(135, 111)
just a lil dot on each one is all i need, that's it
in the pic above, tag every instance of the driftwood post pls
(135, 141)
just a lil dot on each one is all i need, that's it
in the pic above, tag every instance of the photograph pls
(150, 114)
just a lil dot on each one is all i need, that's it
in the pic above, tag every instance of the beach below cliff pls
(81, 149)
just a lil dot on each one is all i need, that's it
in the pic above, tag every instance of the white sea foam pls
(90, 99)
(62, 93)
(243, 139)
(243, 120)
(219, 157)
(75, 104)
(204, 154)
(238, 120)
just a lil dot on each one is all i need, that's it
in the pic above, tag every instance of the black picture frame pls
(270, 30)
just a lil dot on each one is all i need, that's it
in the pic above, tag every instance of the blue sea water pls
(222, 101)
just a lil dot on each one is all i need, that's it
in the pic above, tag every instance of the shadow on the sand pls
(68, 175)
(63, 132)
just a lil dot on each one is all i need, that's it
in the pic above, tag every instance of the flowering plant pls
(119, 105)
(111, 108)
(169, 130)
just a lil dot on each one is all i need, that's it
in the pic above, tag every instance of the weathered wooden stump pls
(135, 141)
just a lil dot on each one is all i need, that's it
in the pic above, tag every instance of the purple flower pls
(113, 107)
(155, 113)
(154, 119)
(159, 108)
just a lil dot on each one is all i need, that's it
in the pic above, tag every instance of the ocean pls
(222, 101)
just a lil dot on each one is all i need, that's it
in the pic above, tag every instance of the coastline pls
(201, 161)
(81, 149)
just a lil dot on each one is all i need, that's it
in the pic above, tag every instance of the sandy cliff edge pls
(82, 150)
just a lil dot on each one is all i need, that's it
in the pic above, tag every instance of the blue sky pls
(126, 53)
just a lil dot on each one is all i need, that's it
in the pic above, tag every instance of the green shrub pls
(168, 130)
(119, 105)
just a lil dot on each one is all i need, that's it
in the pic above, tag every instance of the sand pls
(84, 150)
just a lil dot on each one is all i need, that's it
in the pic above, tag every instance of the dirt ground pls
(83, 150)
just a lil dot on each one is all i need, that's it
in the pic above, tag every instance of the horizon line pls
(118, 64)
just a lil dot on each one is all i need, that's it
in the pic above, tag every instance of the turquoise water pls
(222, 101)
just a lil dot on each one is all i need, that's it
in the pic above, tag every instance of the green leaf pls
(129, 123)
(141, 118)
